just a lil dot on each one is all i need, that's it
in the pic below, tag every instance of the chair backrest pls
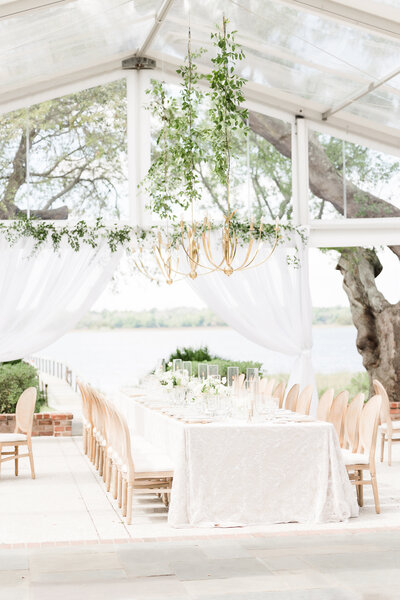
(279, 392)
(304, 400)
(325, 405)
(352, 422)
(385, 406)
(86, 405)
(337, 413)
(266, 386)
(24, 411)
(238, 383)
(291, 398)
(369, 427)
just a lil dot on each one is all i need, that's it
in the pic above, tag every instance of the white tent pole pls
(139, 143)
(300, 172)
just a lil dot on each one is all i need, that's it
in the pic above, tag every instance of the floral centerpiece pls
(171, 379)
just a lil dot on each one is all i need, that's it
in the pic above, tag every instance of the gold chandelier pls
(205, 251)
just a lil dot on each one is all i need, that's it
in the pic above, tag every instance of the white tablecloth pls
(239, 474)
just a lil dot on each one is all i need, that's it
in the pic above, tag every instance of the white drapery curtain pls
(271, 306)
(44, 293)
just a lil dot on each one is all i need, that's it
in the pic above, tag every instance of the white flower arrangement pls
(171, 379)
(209, 386)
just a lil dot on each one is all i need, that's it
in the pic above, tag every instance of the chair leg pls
(124, 496)
(390, 452)
(129, 504)
(120, 489)
(105, 466)
(382, 446)
(360, 489)
(31, 460)
(376, 495)
(115, 482)
(16, 460)
(109, 474)
(84, 440)
(101, 461)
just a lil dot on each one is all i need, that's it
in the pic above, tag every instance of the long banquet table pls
(239, 473)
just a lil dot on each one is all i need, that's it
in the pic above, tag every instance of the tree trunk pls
(377, 321)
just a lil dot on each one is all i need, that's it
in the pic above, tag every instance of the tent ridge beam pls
(159, 19)
(358, 95)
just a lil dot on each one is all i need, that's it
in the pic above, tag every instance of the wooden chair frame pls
(23, 424)
(386, 435)
(368, 431)
(291, 398)
(325, 405)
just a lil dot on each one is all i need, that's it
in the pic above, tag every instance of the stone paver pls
(153, 572)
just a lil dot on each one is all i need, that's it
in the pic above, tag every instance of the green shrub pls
(201, 354)
(15, 377)
(224, 364)
(359, 383)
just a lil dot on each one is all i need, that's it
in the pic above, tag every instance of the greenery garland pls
(43, 232)
(125, 236)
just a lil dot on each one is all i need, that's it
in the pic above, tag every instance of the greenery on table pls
(15, 377)
(203, 355)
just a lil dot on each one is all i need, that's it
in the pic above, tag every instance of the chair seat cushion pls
(147, 458)
(354, 458)
(395, 428)
(12, 437)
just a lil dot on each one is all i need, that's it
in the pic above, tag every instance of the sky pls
(137, 293)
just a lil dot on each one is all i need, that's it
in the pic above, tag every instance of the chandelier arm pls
(251, 266)
(207, 251)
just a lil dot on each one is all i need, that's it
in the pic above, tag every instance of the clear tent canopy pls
(334, 62)
(295, 55)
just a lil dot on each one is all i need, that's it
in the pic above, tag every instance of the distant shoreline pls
(187, 328)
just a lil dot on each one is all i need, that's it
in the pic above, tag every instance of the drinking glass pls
(202, 370)
(212, 371)
(187, 366)
(233, 373)
(252, 374)
(177, 364)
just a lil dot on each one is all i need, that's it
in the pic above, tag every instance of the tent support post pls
(139, 143)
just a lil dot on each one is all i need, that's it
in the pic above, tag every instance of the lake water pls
(120, 357)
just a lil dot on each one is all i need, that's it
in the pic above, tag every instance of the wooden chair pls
(352, 422)
(238, 383)
(23, 431)
(364, 458)
(304, 400)
(279, 392)
(337, 413)
(325, 405)
(291, 398)
(266, 386)
(146, 472)
(389, 430)
(86, 417)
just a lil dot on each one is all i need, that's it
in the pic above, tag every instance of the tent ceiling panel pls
(299, 50)
(70, 37)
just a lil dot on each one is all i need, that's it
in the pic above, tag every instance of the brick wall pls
(57, 424)
(395, 410)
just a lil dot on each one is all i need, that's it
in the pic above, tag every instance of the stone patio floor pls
(61, 536)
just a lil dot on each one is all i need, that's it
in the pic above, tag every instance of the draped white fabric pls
(270, 305)
(45, 293)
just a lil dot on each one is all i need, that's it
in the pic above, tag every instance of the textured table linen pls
(237, 473)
